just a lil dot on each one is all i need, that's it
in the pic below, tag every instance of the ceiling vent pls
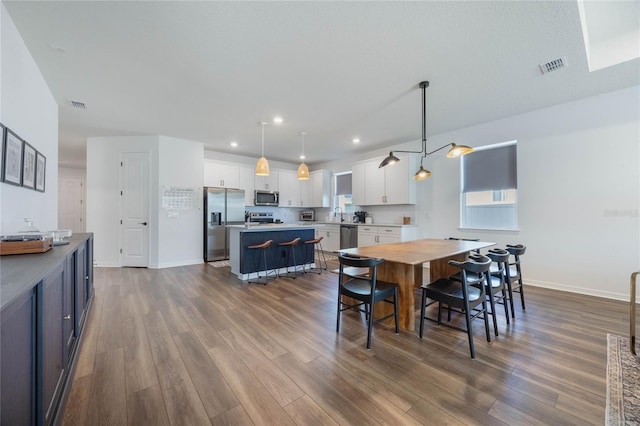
(554, 65)
(77, 104)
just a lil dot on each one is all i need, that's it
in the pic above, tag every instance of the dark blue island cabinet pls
(278, 256)
(45, 299)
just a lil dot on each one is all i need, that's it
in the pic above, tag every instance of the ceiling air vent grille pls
(77, 104)
(554, 65)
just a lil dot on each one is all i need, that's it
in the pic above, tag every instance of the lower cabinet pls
(374, 235)
(17, 361)
(40, 333)
(330, 237)
(52, 336)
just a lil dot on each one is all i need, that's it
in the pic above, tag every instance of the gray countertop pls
(21, 272)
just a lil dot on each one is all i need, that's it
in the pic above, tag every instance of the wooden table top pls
(418, 251)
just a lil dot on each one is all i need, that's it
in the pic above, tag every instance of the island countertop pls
(271, 227)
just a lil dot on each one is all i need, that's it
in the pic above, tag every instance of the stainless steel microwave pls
(266, 198)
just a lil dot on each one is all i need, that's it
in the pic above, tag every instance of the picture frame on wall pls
(12, 160)
(41, 168)
(28, 166)
(3, 137)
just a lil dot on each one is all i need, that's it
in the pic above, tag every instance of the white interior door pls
(71, 204)
(134, 209)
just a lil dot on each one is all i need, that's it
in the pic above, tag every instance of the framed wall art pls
(3, 137)
(12, 158)
(28, 166)
(41, 167)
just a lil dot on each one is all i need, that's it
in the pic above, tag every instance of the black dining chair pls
(460, 296)
(365, 290)
(496, 286)
(515, 271)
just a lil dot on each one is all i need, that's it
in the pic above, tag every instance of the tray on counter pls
(42, 245)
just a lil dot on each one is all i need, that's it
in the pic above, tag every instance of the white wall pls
(173, 241)
(29, 109)
(578, 192)
(180, 231)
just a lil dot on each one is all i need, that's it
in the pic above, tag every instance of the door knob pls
(143, 223)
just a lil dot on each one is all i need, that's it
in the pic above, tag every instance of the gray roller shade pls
(490, 169)
(343, 184)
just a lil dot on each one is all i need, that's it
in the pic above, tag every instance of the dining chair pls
(365, 290)
(496, 287)
(460, 296)
(515, 271)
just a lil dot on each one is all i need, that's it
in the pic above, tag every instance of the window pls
(343, 197)
(488, 198)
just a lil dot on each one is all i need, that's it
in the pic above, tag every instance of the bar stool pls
(292, 252)
(318, 248)
(268, 273)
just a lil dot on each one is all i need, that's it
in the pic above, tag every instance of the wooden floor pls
(194, 345)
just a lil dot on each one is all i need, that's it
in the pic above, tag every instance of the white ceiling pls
(210, 71)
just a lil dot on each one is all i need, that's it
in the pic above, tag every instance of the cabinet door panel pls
(50, 336)
(374, 184)
(81, 278)
(17, 362)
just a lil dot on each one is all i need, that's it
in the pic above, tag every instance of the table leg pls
(408, 277)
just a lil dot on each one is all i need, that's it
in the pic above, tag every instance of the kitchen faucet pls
(336, 210)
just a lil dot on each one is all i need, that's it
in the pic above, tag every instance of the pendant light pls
(262, 166)
(455, 151)
(303, 170)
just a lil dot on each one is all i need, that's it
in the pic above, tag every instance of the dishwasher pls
(348, 236)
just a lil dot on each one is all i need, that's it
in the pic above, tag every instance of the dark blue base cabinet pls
(42, 319)
(251, 260)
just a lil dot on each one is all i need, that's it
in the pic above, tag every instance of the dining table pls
(403, 265)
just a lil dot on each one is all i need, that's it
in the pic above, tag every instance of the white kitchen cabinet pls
(358, 185)
(371, 235)
(306, 192)
(330, 237)
(267, 183)
(289, 188)
(247, 174)
(220, 174)
(319, 189)
(393, 184)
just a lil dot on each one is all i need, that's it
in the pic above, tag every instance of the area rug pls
(623, 383)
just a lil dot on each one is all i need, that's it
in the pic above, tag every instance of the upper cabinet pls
(220, 174)
(247, 175)
(267, 183)
(393, 184)
(320, 188)
(304, 193)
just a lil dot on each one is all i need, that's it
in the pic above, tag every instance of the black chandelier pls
(455, 151)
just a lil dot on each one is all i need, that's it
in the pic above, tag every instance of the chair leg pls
(486, 321)
(510, 289)
(521, 291)
(339, 312)
(395, 309)
(467, 317)
(492, 302)
(423, 306)
(504, 302)
(370, 326)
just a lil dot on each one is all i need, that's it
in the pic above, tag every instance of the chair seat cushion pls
(358, 288)
(450, 288)
(513, 272)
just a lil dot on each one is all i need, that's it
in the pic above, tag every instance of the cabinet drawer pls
(392, 230)
(368, 229)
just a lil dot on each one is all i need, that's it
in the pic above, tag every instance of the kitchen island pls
(247, 263)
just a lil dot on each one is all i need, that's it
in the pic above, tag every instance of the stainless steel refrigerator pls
(222, 207)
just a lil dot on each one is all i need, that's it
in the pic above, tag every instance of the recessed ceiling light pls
(356, 140)
(234, 144)
(277, 120)
(302, 157)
